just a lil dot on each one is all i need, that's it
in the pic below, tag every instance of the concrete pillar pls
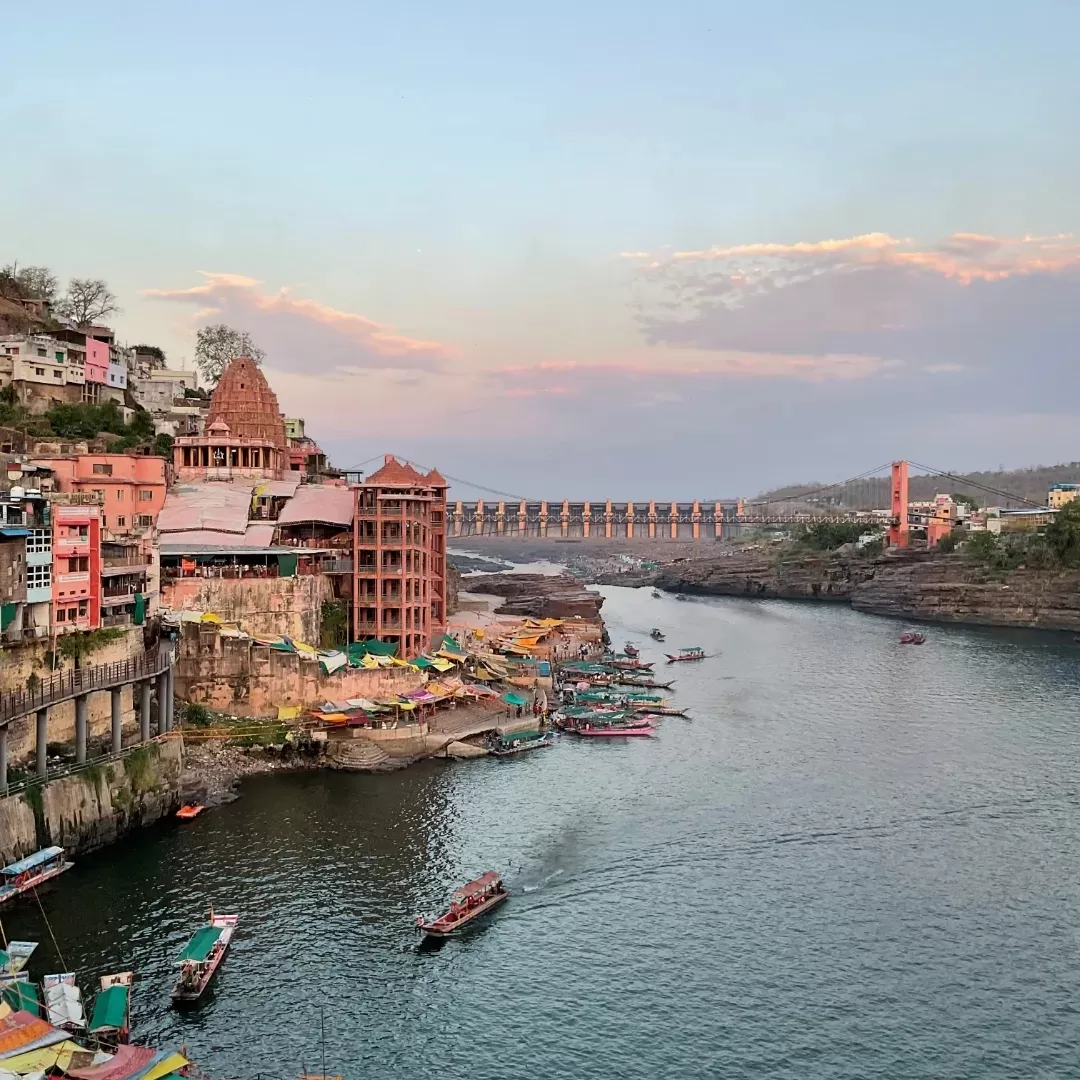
(162, 696)
(81, 726)
(42, 741)
(117, 721)
(3, 760)
(144, 711)
(170, 698)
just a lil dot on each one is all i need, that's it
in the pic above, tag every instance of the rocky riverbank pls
(911, 585)
(556, 596)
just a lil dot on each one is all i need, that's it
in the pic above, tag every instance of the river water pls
(856, 860)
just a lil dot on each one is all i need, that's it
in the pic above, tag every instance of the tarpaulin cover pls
(21, 1031)
(288, 712)
(57, 1056)
(128, 1061)
(332, 661)
(23, 995)
(63, 1003)
(373, 648)
(110, 1009)
(202, 941)
(318, 502)
(514, 699)
(423, 662)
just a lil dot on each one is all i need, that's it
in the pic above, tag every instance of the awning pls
(514, 699)
(202, 941)
(110, 1009)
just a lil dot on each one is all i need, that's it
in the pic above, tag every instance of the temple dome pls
(244, 402)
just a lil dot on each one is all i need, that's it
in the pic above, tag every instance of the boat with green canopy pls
(515, 742)
(110, 1019)
(202, 956)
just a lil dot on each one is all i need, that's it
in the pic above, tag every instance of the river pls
(856, 859)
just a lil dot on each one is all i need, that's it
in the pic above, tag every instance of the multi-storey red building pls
(76, 577)
(399, 557)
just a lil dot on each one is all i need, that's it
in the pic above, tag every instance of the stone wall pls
(96, 806)
(287, 605)
(236, 676)
(18, 663)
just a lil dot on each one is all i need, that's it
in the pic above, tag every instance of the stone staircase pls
(361, 754)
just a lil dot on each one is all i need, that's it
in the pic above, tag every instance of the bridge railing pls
(68, 684)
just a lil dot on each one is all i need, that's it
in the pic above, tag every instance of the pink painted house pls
(97, 360)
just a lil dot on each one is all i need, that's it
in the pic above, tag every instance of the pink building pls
(97, 360)
(131, 487)
(76, 576)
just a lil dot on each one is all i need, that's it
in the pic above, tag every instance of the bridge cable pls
(975, 484)
(819, 490)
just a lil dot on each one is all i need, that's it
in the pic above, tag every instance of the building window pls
(39, 371)
(144, 521)
(99, 494)
(38, 577)
(121, 522)
(101, 469)
(57, 374)
(146, 495)
(39, 540)
(42, 352)
(82, 609)
(119, 494)
(60, 357)
(61, 614)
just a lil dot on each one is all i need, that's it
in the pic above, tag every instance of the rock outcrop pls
(556, 596)
(910, 585)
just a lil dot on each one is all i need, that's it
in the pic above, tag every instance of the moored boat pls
(694, 652)
(63, 1001)
(518, 741)
(912, 637)
(190, 810)
(202, 956)
(110, 1020)
(655, 595)
(631, 650)
(466, 904)
(614, 731)
(19, 877)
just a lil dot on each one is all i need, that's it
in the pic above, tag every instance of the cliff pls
(556, 596)
(913, 585)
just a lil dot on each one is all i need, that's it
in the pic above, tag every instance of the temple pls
(245, 431)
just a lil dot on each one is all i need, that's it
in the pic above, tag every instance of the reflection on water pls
(856, 859)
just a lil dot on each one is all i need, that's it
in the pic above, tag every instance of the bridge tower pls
(586, 520)
(543, 519)
(898, 531)
(629, 521)
(607, 520)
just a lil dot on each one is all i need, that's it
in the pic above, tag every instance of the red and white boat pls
(202, 957)
(467, 903)
(29, 873)
(695, 652)
(613, 732)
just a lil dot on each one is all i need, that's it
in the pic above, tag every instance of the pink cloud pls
(286, 325)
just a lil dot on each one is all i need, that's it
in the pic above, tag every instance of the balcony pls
(120, 619)
(113, 592)
(337, 566)
(124, 564)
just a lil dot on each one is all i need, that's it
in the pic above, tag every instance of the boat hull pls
(616, 733)
(9, 892)
(444, 927)
(185, 994)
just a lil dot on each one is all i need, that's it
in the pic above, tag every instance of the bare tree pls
(38, 282)
(87, 300)
(216, 345)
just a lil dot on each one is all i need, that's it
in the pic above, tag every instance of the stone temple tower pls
(243, 400)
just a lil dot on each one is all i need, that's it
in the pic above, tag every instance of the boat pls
(110, 1019)
(14, 958)
(694, 652)
(19, 877)
(466, 904)
(663, 710)
(202, 957)
(680, 596)
(655, 595)
(63, 1002)
(190, 810)
(656, 634)
(631, 650)
(613, 731)
(517, 741)
(912, 637)
(643, 684)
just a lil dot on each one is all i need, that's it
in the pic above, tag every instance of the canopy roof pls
(31, 862)
(202, 941)
(514, 699)
(110, 1009)
(318, 502)
(480, 885)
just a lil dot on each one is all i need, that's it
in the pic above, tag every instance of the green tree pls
(970, 500)
(828, 535)
(163, 446)
(1063, 535)
(982, 545)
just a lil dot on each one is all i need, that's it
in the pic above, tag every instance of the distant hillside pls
(871, 494)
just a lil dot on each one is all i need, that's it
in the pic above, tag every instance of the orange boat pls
(190, 810)
(467, 903)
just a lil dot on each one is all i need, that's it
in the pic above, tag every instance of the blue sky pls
(445, 190)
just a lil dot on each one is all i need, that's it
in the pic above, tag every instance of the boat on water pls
(655, 595)
(912, 637)
(694, 652)
(681, 596)
(63, 1002)
(656, 634)
(110, 1019)
(643, 684)
(631, 650)
(190, 810)
(518, 741)
(614, 731)
(202, 957)
(466, 904)
(19, 877)
(629, 663)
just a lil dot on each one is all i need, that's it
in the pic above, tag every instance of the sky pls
(582, 250)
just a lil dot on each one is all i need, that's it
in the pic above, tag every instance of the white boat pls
(63, 1002)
